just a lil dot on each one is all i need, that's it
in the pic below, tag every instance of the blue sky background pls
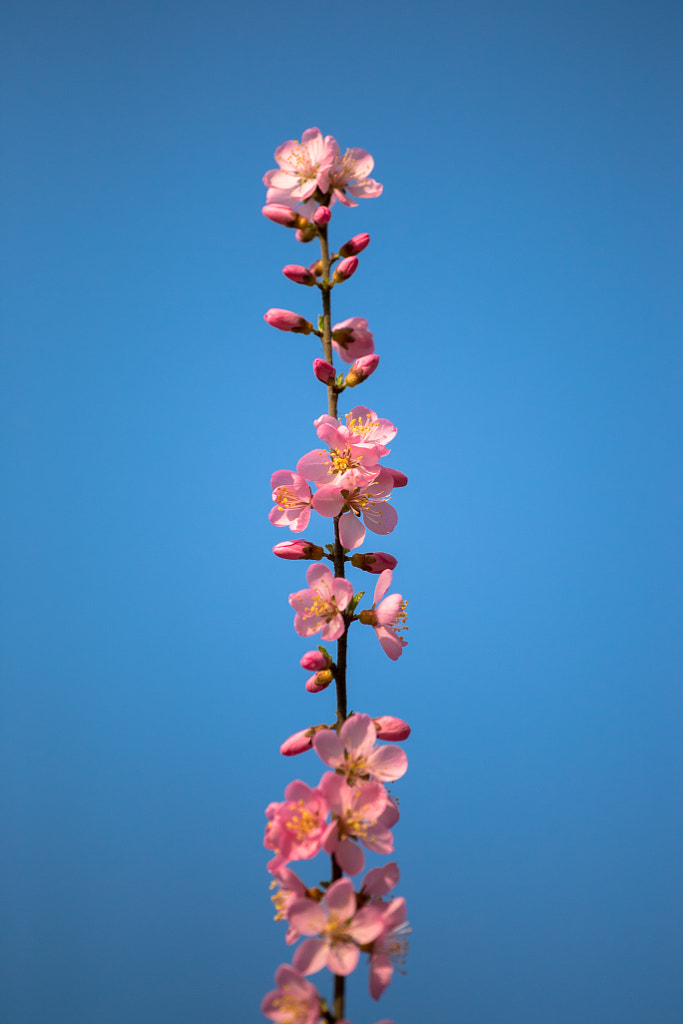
(523, 285)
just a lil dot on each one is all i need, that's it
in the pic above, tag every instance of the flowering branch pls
(350, 809)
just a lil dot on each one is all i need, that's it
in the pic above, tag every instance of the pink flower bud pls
(361, 369)
(285, 320)
(300, 741)
(314, 661)
(300, 275)
(345, 269)
(389, 728)
(322, 216)
(317, 268)
(319, 682)
(354, 245)
(292, 549)
(400, 479)
(374, 561)
(281, 215)
(306, 232)
(324, 371)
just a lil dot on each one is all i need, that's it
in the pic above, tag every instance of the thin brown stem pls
(327, 316)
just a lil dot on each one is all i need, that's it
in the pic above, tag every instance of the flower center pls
(301, 822)
(297, 1009)
(284, 499)
(340, 461)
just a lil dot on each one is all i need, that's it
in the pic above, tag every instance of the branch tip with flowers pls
(350, 810)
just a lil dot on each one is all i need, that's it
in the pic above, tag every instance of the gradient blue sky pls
(523, 285)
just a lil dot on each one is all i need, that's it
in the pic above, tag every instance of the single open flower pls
(387, 618)
(354, 753)
(292, 497)
(320, 606)
(294, 1001)
(340, 928)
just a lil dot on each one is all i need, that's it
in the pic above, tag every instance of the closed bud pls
(300, 741)
(295, 549)
(322, 216)
(285, 320)
(317, 268)
(300, 275)
(314, 661)
(306, 232)
(390, 728)
(281, 215)
(373, 561)
(400, 479)
(361, 369)
(319, 682)
(324, 371)
(345, 269)
(355, 245)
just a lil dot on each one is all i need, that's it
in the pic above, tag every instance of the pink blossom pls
(364, 425)
(340, 928)
(361, 370)
(304, 166)
(355, 245)
(356, 501)
(322, 216)
(294, 1001)
(351, 338)
(359, 813)
(300, 741)
(350, 174)
(286, 320)
(324, 371)
(348, 451)
(292, 497)
(296, 826)
(353, 752)
(346, 269)
(373, 561)
(320, 607)
(390, 728)
(388, 951)
(297, 549)
(388, 618)
(299, 275)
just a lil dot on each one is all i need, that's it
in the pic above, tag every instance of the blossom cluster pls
(344, 480)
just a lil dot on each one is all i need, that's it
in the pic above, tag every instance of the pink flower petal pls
(367, 925)
(311, 956)
(342, 958)
(349, 857)
(382, 585)
(358, 735)
(329, 747)
(381, 973)
(380, 881)
(351, 530)
(387, 763)
(340, 899)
